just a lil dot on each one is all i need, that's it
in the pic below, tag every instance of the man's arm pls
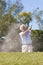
(29, 29)
(24, 33)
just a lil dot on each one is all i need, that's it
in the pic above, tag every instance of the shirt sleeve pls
(20, 35)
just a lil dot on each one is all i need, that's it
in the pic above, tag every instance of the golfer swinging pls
(25, 36)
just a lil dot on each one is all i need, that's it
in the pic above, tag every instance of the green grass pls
(18, 58)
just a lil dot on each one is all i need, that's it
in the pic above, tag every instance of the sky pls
(30, 6)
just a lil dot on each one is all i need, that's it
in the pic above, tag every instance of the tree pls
(7, 19)
(39, 19)
(37, 37)
(2, 6)
(14, 8)
(25, 17)
(5, 23)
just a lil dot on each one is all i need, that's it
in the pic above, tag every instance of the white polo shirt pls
(26, 39)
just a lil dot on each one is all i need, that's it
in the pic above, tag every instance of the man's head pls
(22, 27)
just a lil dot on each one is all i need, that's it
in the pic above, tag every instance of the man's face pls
(23, 28)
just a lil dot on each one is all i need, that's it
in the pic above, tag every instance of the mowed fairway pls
(18, 58)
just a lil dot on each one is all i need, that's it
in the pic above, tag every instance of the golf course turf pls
(19, 58)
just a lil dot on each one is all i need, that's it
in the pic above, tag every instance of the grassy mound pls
(18, 58)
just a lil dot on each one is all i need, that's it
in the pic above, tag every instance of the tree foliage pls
(5, 22)
(25, 17)
(39, 19)
(2, 6)
(14, 8)
(7, 19)
(37, 37)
